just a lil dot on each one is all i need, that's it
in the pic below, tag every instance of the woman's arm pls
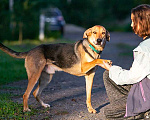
(139, 70)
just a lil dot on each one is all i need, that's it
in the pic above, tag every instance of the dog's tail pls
(12, 53)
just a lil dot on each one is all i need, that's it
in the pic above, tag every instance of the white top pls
(140, 66)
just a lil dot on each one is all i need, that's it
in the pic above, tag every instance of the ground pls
(66, 93)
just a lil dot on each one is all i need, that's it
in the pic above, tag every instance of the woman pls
(129, 90)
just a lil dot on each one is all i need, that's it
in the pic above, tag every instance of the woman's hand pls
(105, 65)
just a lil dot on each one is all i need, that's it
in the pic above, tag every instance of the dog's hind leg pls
(44, 79)
(34, 72)
(31, 83)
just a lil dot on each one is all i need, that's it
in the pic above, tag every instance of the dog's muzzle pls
(99, 41)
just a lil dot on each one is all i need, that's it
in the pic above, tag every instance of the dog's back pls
(64, 55)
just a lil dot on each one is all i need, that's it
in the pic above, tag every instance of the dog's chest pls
(91, 56)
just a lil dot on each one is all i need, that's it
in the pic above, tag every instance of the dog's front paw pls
(91, 110)
(108, 61)
(45, 105)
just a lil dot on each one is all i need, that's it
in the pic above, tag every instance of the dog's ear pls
(107, 36)
(87, 33)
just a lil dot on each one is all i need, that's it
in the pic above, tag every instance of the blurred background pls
(25, 24)
(30, 19)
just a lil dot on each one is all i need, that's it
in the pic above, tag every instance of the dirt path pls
(66, 93)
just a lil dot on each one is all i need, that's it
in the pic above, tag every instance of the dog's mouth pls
(97, 43)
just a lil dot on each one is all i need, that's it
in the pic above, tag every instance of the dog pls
(80, 59)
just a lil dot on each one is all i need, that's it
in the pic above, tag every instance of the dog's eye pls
(94, 32)
(103, 33)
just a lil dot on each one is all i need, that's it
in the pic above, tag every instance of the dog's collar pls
(97, 51)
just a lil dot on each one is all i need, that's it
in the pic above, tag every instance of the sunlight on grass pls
(11, 69)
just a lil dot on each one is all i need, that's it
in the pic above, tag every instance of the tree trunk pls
(20, 32)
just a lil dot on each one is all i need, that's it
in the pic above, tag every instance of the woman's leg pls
(117, 95)
(114, 91)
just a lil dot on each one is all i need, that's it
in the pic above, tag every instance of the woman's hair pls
(141, 15)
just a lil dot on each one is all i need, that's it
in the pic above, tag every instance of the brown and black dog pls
(78, 59)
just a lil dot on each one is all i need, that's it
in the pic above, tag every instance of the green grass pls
(10, 110)
(127, 49)
(11, 69)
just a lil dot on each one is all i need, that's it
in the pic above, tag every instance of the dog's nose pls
(99, 40)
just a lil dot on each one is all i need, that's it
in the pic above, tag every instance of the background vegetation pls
(113, 14)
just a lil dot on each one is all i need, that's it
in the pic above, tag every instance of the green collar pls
(97, 51)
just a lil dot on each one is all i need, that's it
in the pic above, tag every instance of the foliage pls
(24, 19)
(126, 49)
(5, 19)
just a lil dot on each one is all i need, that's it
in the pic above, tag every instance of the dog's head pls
(97, 36)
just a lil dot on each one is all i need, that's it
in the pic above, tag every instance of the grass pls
(10, 110)
(127, 49)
